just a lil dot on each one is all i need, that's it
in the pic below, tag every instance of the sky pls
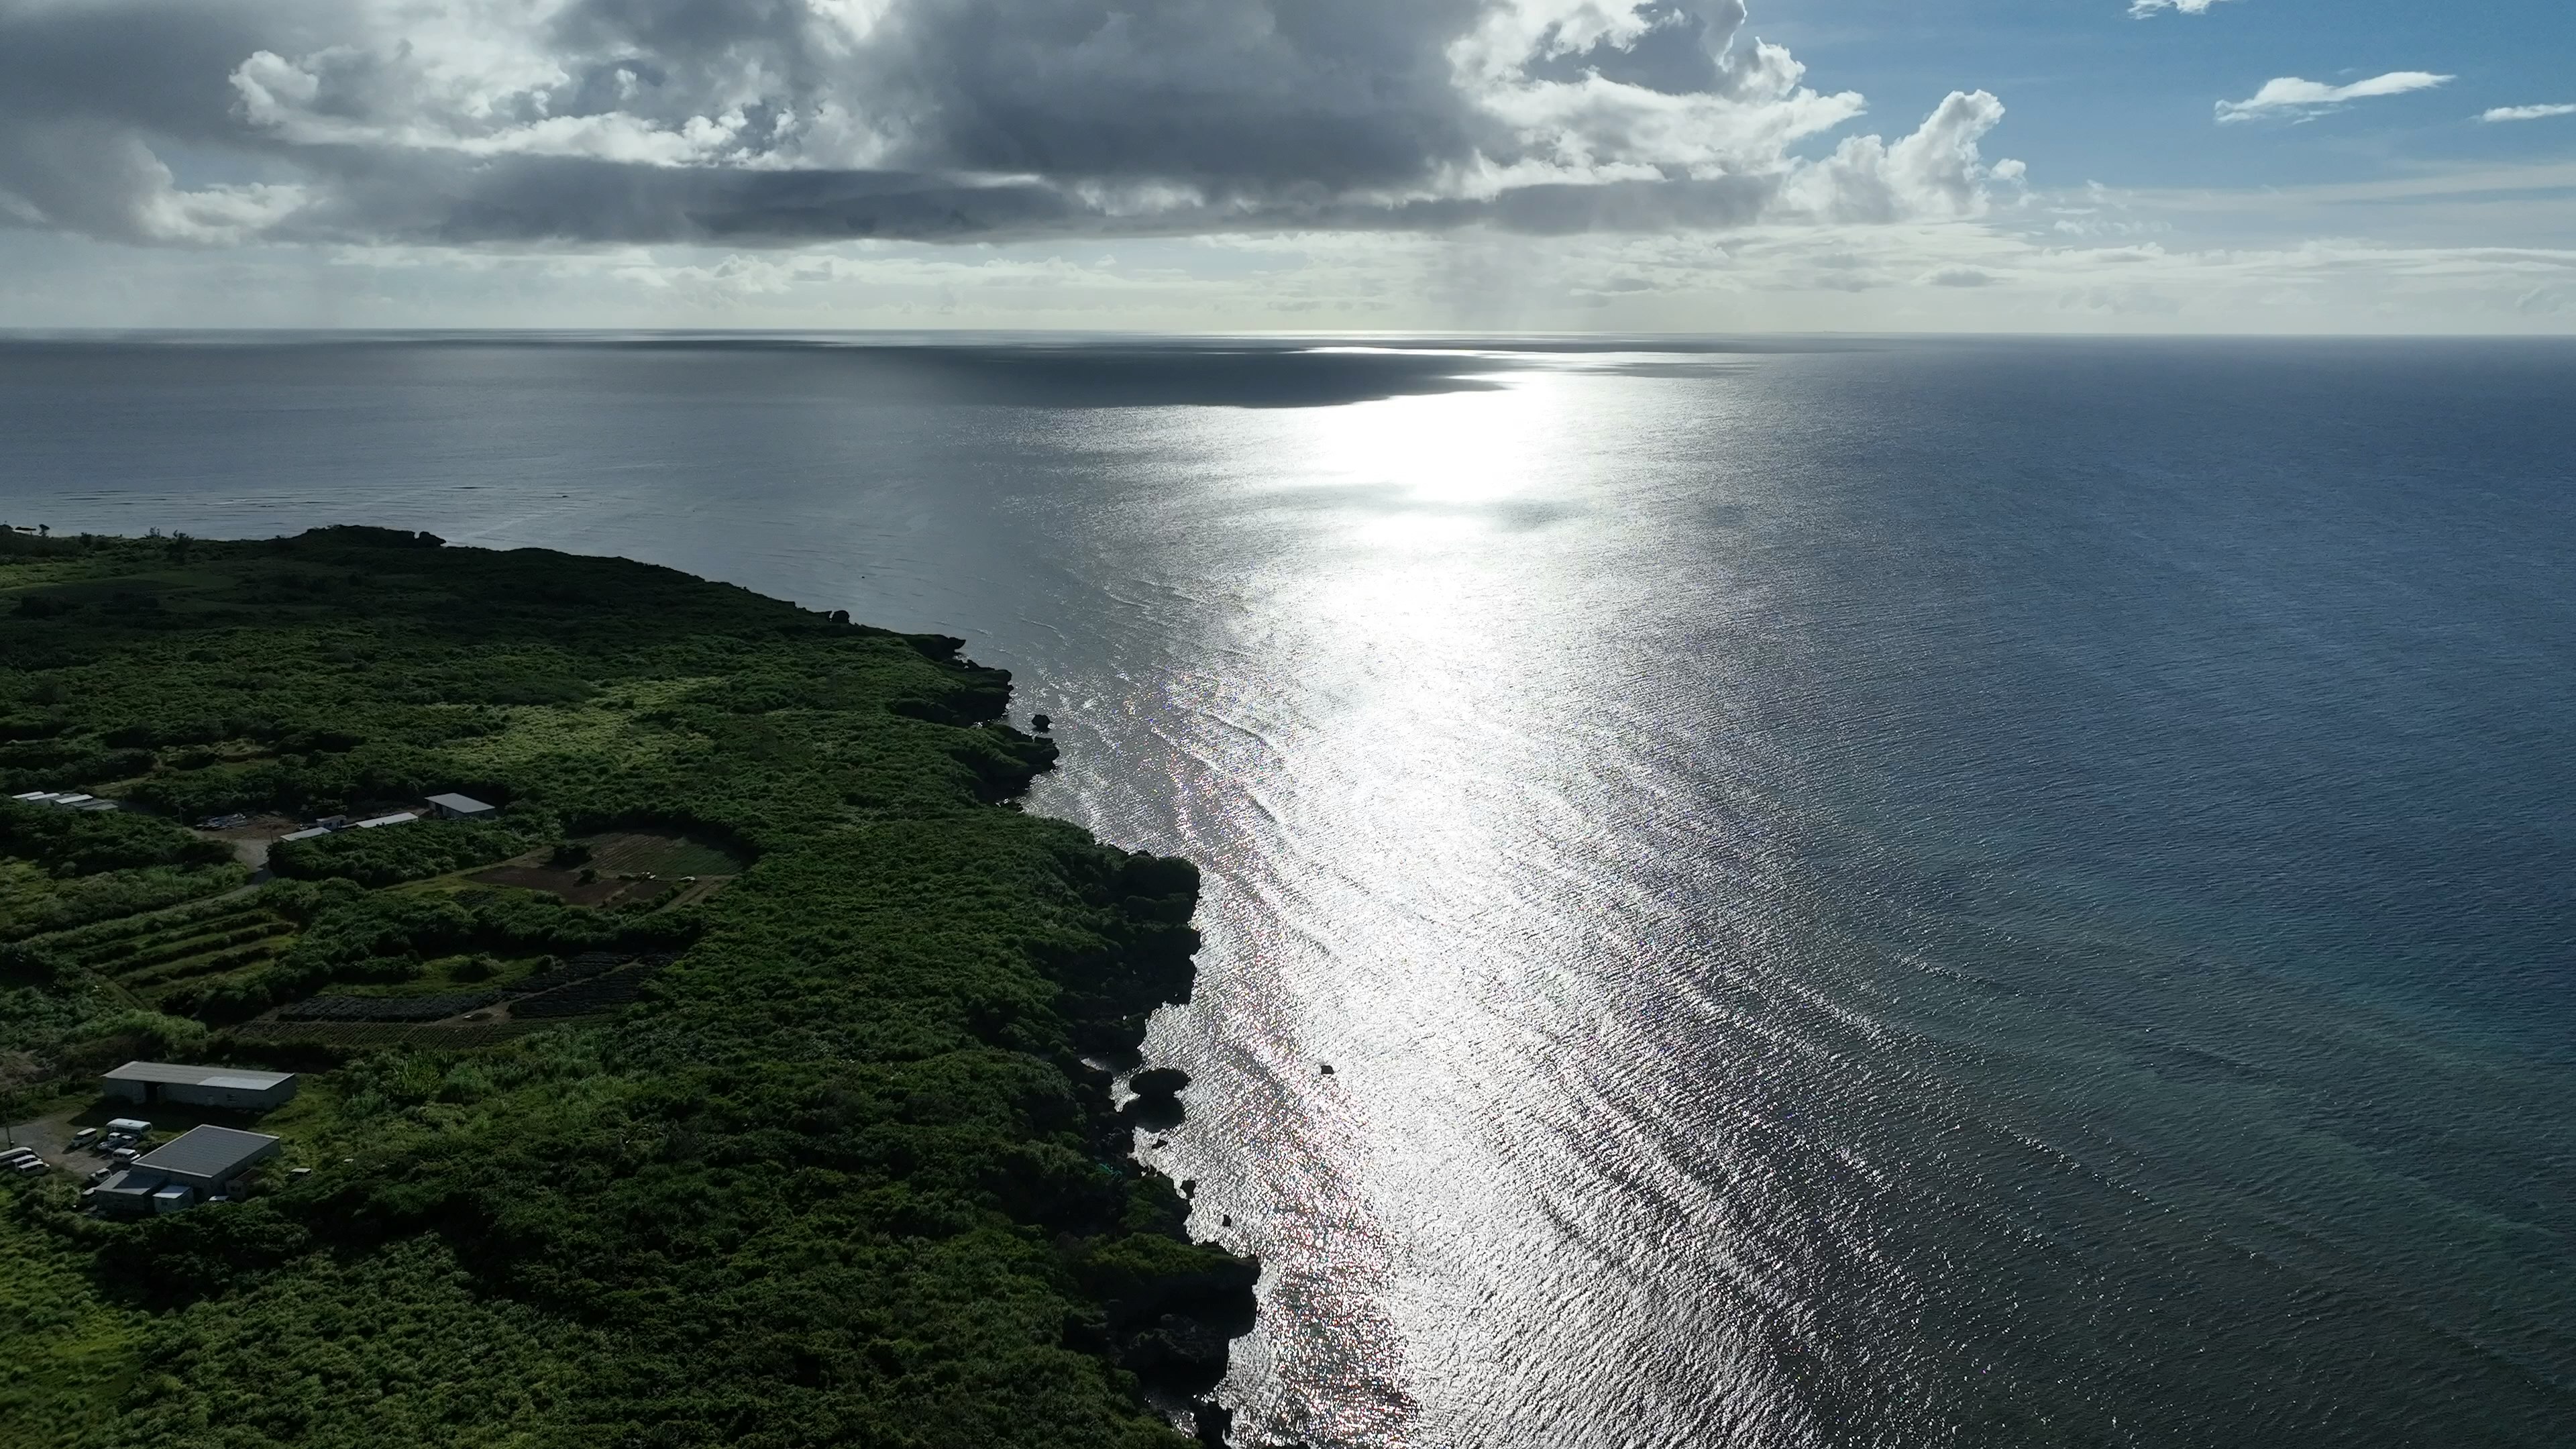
(1298, 166)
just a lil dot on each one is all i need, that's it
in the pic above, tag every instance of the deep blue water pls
(1890, 893)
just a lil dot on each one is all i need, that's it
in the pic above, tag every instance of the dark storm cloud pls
(1325, 93)
(161, 65)
(787, 121)
(88, 91)
(541, 198)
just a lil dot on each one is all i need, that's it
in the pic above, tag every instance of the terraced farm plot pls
(33, 901)
(427, 1036)
(388, 1008)
(150, 956)
(83, 943)
(194, 949)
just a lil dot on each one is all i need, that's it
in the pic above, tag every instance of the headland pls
(695, 1044)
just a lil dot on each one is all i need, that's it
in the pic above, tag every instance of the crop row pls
(388, 1008)
(91, 943)
(197, 945)
(187, 966)
(456, 1037)
(579, 968)
(600, 993)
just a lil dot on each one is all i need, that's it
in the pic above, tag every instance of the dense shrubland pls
(839, 1177)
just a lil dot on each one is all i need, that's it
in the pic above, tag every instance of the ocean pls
(1853, 892)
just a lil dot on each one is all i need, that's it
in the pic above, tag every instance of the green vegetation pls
(415, 851)
(838, 1176)
(61, 868)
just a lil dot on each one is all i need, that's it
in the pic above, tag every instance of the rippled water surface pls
(1872, 894)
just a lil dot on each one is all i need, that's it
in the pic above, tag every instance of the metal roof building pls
(233, 1087)
(206, 1158)
(198, 1162)
(460, 807)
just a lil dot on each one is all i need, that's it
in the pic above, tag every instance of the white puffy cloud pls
(770, 122)
(2525, 113)
(2291, 96)
(2144, 8)
(1935, 172)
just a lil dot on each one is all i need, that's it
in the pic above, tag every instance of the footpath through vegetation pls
(735, 1081)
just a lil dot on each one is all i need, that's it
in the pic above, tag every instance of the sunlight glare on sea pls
(1853, 893)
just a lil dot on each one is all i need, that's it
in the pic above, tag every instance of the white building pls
(232, 1087)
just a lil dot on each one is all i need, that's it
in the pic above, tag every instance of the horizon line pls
(14, 333)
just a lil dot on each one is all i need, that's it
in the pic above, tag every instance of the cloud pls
(2291, 96)
(79, 175)
(1935, 172)
(2525, 113)
(2141, 9)
(2233, 270)
(783, 122)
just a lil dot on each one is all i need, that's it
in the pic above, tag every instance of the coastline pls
(860, 1082)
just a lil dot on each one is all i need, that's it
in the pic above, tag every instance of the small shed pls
(232, 1087)
(460, 807)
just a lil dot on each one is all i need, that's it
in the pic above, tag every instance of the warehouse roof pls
(461, 804)
(214, 1153)
(171, 1074)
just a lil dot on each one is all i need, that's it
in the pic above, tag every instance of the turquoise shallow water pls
(1875, 893)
